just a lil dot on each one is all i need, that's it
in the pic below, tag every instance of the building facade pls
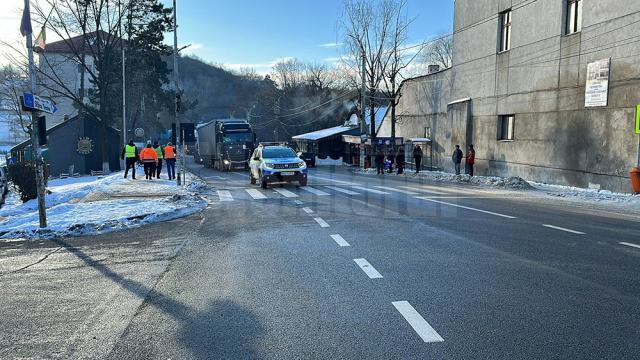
(544, 89)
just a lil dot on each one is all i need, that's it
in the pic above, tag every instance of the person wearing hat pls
(170, 159)
(149, 159)
(158, 149)
(130, 156)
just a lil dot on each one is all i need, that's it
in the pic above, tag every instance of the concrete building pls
(519, 91)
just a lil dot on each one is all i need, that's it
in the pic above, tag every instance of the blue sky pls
(256, 33)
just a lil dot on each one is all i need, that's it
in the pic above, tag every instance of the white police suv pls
(269, 164)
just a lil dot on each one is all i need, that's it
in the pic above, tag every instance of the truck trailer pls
(225, 144)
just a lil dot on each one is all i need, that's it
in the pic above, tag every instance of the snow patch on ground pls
(438, 176)
(92, 205)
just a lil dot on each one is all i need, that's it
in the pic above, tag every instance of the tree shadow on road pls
(224, 331)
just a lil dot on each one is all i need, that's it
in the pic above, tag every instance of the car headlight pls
(302, 164)
(267, 166)
(226, 162)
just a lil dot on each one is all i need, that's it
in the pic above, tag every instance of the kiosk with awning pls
(326, 143)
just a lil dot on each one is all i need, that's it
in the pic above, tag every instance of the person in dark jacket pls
(471, 159)
(417, 157)
(400, 162)
(457, 159)
(379, 159)
(130, 156)
(390, 158)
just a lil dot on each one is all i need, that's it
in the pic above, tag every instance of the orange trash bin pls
(634, 174)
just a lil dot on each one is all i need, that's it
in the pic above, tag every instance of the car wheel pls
(303, 182)
(263, 181)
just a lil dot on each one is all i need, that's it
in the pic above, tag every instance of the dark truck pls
(225, 144)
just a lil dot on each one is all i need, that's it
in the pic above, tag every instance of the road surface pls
(348, 267)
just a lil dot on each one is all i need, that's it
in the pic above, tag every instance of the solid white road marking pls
(225, 195)
(371, 190)
(255, 194)
(417, 322)
(563, 229)
(344, 191)
(397, 190)
(335, 181)
(307, 210)
(629, 244)
(468, 208)
(340, 240)
(298, 202)
(424, 190)
(314, 191)
(286, 193)
(321, 222)
(371, 272)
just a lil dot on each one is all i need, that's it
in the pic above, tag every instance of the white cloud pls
(261, 68)
(331, 45)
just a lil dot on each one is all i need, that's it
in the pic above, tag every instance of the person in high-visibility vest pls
(149, 159)
(170, 159)
(158, 149)
(130, 156)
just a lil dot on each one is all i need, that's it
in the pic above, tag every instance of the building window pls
(505, 127)
(574, 16)
(505, 30)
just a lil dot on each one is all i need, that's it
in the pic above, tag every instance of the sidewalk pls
(91, 205)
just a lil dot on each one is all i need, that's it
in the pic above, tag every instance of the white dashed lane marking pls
(397, 190)
(344, 191)
(314, 191)
(321, 222)
(340, 240)
(371, 272)
(413, 188)
(307, 210)
(286, 193)
(467, 208)
(417, 322)
(298, 202)
(629, 244)
(256, 194)
(225, 195)
(563, 229)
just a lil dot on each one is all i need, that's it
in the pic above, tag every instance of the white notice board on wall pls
(597, 89)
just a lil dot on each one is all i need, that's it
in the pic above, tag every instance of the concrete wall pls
(542, 81)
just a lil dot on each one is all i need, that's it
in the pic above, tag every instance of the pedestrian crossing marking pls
(374, 191)
(286, 193)
(344, 191)
(225, 195)
(315, 191)
(256, 194)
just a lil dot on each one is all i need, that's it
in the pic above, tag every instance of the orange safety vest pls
(169, 152)
(148, 155)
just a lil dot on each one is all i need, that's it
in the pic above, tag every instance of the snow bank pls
(95, 205)
(438, 176)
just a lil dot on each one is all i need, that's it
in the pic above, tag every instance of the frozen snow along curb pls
(92, 205)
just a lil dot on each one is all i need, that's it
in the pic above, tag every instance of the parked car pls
(4, 184)
(276, 164)
(309, 158)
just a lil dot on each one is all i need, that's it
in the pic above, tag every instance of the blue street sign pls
(37, 103)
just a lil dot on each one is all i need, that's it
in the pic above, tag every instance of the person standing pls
(390, 159)
(130, 156)
(457, 159)
(149, 159)
(170, 160)
(379, 159)
(400, 161)
(417, 157)
(158, 149)
(471, 159)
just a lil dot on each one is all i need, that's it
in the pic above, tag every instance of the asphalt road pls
(349, 267)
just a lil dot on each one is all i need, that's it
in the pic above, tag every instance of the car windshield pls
(271, 153)
(237, 137)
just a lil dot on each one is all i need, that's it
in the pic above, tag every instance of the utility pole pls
(363, 103)
(177, 90)
(124, 84)
(37, 153)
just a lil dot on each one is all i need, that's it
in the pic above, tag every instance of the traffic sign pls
(35, 102)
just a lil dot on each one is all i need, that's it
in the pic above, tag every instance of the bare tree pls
(319, 76)
(288, 74)
(368, 29)
(439, 51)
(12, 84)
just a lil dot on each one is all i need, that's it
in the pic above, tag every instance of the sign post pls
(638, 132)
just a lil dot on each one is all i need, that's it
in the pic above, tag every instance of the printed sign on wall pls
(597, 88)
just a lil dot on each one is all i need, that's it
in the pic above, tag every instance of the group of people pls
(396, 158)
(470, 159)
(151, 157)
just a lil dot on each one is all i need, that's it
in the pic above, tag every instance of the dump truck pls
(225, 144)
